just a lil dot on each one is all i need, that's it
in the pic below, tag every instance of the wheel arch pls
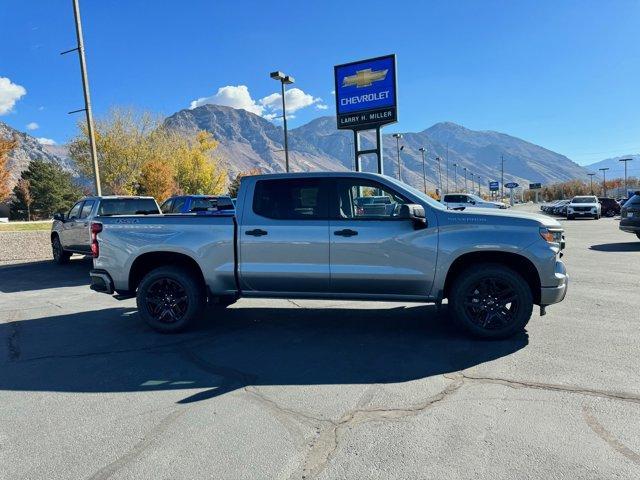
(147, 262)
(516, 262)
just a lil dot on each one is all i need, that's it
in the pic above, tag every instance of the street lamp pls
(455, 176)
(625, 160)
(284, 80)
(440, 174)
(465, 179)
(424, 173)
(398, 136)
(471, 173)
(591, 181)
(604, 179)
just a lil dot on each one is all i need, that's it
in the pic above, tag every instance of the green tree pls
(51, 190)
(197, 172)
(234, 186)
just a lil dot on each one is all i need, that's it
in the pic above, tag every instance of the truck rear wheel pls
(169, 299)
(60, 256)
(491, 301)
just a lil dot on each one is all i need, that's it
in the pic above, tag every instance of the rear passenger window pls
(166, 206)
(287, 199)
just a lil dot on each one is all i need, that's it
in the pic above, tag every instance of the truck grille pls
(581, 209)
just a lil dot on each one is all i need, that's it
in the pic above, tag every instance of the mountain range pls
(249, 141)
(616, 167)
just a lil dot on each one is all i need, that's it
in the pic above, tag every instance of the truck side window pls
(178, 203)
(166, 206)
(75, 210)
(367, 200)
(86, 208)
(291, 199)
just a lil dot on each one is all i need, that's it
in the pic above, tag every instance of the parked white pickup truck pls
(458, 201)
(311, 235)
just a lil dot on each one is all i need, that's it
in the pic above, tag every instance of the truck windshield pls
(127, 206)
(584, 200)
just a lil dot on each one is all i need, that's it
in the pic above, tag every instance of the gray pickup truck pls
(71, 231)
(317, 235)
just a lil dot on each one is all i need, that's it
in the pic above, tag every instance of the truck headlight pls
(551, 236)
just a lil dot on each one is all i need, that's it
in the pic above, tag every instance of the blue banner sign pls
(535, 186)
(494, 186)
(366, 93)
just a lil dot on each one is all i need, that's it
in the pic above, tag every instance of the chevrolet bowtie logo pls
(364, 78)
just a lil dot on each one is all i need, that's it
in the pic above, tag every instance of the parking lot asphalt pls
(310, 389)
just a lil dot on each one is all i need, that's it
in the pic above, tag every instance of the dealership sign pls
(535, 186)
(511, 185)
(366, 93)
(494, 186)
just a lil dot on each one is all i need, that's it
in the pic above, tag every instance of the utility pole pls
(398, 136)
(591, 181)
(625, 160)
(424, 173)
(87, 96)
(604, 180)
(501, 177)
(478, 180)
(440, 174)
(471, 174)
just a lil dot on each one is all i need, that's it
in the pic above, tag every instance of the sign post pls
(511, 186)
(366, 99)
(493, 188)
(536, 188)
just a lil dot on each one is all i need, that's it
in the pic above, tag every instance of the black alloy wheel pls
(491, 303)
(167, 300)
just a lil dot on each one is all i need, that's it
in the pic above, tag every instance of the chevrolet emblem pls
(364, 78)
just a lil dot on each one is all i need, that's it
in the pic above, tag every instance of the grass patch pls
(25, 226)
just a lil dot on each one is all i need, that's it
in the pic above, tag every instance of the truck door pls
(374, 251)
(284, 237)
(82, 227)
(68, 229)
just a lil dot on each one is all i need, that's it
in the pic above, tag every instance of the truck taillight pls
(96, 228)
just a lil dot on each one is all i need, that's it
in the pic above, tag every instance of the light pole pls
(398, 136)
(440, 174)
(591, 181)
(625, 160)
(502, 177)
(284, 80)
(424, 172)
(471, 174)
(465, 179)
(604, 180)
(478, 180)
(455, 176)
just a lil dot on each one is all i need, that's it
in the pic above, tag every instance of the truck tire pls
(60, 256)
(638, 235)
(491, 301)
(170, 299)
(570, 217)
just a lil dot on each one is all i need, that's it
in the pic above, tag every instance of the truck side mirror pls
(415, 213)
(58, 216)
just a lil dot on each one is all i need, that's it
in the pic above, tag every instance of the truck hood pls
(498, 217)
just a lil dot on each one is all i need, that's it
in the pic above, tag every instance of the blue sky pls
(562, 74)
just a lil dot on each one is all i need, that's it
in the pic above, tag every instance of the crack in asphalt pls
(138, 449)
(326, 444)
(623, 396)
(608, 437)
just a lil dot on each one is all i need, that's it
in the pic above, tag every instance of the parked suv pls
(201, 204)
(71, 231)
(630, 216)
(459, 201)
(584, 206)
(610, 208)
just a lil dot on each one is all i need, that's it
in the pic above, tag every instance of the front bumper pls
(101, 281)
(551, 295)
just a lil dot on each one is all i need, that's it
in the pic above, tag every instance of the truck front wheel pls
(169, 299)
(491, 301)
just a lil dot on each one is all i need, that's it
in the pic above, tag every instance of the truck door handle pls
(256, 232)
(347, 232)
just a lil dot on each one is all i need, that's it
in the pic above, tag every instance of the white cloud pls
(46, 141)
(295, 99)
(32, 126)
(10, 93)
(231, 96)
(269, 107)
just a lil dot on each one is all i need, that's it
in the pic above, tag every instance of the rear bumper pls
(101, 281)
(630, 225)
